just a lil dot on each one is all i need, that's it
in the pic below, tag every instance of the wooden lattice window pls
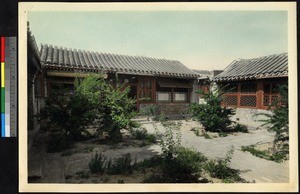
(248, 88)
(230, 100)
(248, 100)
(274, 98)
(266, 100)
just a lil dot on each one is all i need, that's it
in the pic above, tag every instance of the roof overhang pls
(71, 74)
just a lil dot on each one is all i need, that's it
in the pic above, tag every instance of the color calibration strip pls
(8, 86)
(2, 41)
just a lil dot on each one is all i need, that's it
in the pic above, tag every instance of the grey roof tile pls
(267, 66)
(62, 57)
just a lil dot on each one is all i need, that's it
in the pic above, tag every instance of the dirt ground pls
(71, 166)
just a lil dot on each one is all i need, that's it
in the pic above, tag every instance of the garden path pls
(255, 169)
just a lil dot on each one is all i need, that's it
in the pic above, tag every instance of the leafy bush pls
(161, 117)
(154, 161)
(142, 134)
(206, 136)
(120, 165)
(179, 165)
(170, 141)
(211, 115)
(240, 128)
(93, 102)
(149, 110)
(116, 110)
(219, 168)
(185, 167)
(190, 159)
(98, 163)
(68, 115)
(279, 121)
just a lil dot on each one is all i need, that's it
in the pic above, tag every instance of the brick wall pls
(168, 108)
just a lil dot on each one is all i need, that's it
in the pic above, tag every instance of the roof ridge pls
(265, 56)
(106, 53)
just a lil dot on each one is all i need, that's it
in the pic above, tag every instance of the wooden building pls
(34, 89)
(253, 82)
(168, 84)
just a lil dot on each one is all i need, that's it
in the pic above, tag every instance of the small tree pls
(279, 120)
(211, 114)
(114, 107)
(116, 110)
(68, 115)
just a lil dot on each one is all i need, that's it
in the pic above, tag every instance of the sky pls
(204, 40)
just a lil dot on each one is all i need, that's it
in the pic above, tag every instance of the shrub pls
(69, 114)
(179, 165)
(206, 136)
(240, 128)
(93, 102)
(185, 167)
(279, 121)
(98, 163)
(190, 159)
(149, 110)
(120, 165)
(170, 141)
(116, 110)
(142, 134)
(211, 115)
(219, 168)
(154, 161)
(161, 117)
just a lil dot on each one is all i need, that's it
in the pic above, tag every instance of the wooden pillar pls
(153, 92)
(138, 89)
(172, 95)
(238, 95)
(259, 95)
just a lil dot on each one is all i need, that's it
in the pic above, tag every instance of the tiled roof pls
(201, 72)
(256, 68)
(32, 44)
(54, 57)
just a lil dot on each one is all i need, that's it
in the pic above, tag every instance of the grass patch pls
(223, 134)
(206, 136)
(276, 157)
(219, 168)
(240, 128)
(97, 163)
(142, 134)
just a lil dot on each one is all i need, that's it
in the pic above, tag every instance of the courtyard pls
(72, 165)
